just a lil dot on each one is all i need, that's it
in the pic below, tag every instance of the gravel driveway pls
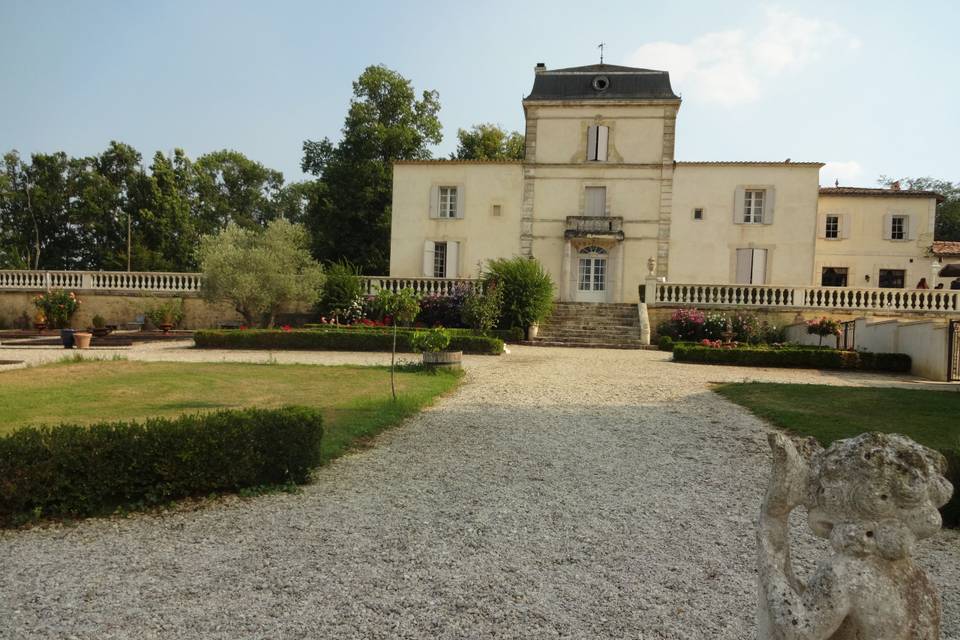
(558, 493)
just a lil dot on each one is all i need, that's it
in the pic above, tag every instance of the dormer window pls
(600, 83)
(597, 138)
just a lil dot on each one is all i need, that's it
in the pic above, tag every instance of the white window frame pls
(754, 201)
(447, 201)
(904, 231)
(440, 259)
(827, 227)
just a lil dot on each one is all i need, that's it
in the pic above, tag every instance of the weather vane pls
(601, 46)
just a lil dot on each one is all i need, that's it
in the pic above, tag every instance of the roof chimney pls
(540, 68)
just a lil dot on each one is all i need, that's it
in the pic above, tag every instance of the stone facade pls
(599, 192)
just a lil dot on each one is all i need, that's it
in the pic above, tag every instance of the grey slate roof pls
(625, 83)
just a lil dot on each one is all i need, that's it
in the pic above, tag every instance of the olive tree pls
(260, 271)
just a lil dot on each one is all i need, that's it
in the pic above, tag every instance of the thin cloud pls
(730, 67)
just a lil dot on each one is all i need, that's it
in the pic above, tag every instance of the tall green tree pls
(229, 187)
(349, 212)
(948, 211)
(488, 142)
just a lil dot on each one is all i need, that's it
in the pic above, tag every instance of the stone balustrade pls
(803, 297)
(423, 286)
(117, 281)
(188, 283)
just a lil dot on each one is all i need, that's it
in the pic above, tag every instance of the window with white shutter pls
(751, 266)
(832, 227)
(595, 201)
(598, 137)
(447, 206)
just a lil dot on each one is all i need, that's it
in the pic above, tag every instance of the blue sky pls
(868, 87)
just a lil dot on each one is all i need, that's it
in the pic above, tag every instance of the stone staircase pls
(579, 324)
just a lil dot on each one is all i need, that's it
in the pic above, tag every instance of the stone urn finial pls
(651, 265)
(872, 497)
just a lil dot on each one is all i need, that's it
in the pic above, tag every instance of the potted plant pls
(39, 321)
(166, 316)
(99, 328)
(434, 345)
(81, 339)
(58, 307)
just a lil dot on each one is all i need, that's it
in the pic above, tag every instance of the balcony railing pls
(801, 297)
(594, 226)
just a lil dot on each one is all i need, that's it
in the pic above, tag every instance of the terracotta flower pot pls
(166, 326)
(82, 339)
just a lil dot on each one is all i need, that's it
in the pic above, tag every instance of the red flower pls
(243, 327)
(287, 327)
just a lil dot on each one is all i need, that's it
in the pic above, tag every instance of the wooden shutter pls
(758, 271)
(434, 201)
(822, 226)
(603, 135)
(844, 226)
(453, 259)
(460, 206)
(738, 204)
(769, 200)
(887, 226)
(910, 227)
(744, 266)
(428, 249)
(592, 142)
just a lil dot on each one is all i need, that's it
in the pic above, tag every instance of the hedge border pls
(72, 470)
(790, 357)
(335, 340)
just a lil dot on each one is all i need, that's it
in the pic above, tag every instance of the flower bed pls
(74, 470)
(790, 356)
(336, 339)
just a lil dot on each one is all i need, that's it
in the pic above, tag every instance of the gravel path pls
(557, 493)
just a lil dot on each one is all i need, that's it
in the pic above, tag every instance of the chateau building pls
(599, 192)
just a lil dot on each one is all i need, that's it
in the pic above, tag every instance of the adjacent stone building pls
(599, 192)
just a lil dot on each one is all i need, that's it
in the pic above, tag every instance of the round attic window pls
(600, 83)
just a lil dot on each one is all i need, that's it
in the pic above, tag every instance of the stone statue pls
(872, 496)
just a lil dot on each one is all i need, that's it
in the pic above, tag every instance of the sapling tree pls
(402, 306)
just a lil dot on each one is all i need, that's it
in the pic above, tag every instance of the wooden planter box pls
(447, 359)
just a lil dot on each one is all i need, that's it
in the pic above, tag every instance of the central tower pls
(602, 137)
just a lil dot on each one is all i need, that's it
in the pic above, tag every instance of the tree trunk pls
(393, 355)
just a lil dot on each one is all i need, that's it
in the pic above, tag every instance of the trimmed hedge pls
(507, 335)
(80, 470)
(369, 339)
(799, 357)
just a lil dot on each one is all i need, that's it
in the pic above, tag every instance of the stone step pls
(591, 338)
(592, 335)
(591, 345)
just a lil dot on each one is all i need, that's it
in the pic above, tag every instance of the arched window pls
(594, 249)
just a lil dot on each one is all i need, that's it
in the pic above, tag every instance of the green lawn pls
(355, 401)
(828, 413)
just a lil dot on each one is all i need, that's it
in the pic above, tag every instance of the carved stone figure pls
(872, 496)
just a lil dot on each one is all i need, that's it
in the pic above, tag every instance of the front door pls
(592, 281)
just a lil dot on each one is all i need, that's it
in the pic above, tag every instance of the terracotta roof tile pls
(882, 193)
(755, 163)
(946, 248)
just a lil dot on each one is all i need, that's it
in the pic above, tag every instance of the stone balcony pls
(594, 227)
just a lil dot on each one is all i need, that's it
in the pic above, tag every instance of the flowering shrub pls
(57, 306)
(824, 327)
(693, 325)
(444, 311)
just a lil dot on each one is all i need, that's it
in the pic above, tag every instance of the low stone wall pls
(925, 341)
(120, 309)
